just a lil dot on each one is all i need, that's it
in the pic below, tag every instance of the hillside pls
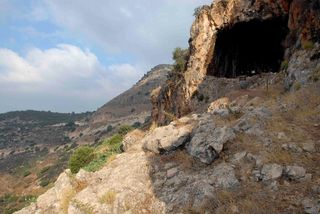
(34, 150)
(131, 107)
(35, 145)
(235, 130)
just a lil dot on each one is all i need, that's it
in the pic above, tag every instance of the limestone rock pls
(252, 121)
(167, 138)
(208, 140)
(132, 139)
(309, 147)
(219, 104)
(295, 172)
(311, 206)
(271, 172)
(223, 176)
(303, 25)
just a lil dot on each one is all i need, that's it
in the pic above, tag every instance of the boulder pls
(208, 140)
(219, 104)
(295, 172)
(271, 172)
(309, 147)
(167, 138)
(223, 176)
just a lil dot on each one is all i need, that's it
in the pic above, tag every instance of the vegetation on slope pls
(44, 117)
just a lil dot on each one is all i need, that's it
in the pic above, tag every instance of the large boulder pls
(271, 172)
(168, 138)
(208, 140)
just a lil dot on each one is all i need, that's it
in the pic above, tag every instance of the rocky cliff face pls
(299, 20)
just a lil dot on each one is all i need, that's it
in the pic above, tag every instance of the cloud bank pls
(65, 72)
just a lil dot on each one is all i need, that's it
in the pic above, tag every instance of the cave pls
(249, 48)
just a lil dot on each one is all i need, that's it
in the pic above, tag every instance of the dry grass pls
(65, 201)
(280, 156)
(108, 198)
(248, 143)
(83, 207)
(181, 158)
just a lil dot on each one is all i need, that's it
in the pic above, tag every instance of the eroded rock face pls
(303, 28)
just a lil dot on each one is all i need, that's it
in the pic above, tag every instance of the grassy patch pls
(83, 207)
(65, 201)
(105, 152)
(108, 198)
(297, 86)
(315, 77)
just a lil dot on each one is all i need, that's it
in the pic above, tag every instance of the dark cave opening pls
(248, 48)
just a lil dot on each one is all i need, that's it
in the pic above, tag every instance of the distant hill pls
(136, 99)
(44, 117)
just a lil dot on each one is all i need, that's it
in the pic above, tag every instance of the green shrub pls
(297, 86)
(124, 129)
(26, 173)
(136, 125)
(307, 44)
(284, 65)
(44, 182)
(315, 77)
(180, 57)
(80, 158)
(110, 147)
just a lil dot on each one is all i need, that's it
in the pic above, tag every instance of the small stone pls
(274, 185)
(238, 157)
(311, 206)
(316, 189)
(295, 172)
(309, 147)
(271, 172)
(282, 136)
(256, 158)
(172, 172)
(169, 165)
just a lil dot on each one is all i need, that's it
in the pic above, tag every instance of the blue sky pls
(75, 55)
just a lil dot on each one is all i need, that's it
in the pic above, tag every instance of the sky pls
(75, 55)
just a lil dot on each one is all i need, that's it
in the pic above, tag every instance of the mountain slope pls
(132, 106)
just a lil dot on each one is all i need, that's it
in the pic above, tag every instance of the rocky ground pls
(257, 152)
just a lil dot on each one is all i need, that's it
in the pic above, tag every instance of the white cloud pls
(62, 72)
(147, 29)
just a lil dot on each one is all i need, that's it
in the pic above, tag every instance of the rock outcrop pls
(300, 17)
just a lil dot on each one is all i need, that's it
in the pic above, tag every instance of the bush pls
(136, 125)
(80, 158)
(284, 65)
(297, 86)
(44, 182)
(307, 44)
(26, 173)
(315, 77)
(110, 147)
(180, 57)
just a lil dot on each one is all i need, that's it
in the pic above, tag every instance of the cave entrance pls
(248, 48)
